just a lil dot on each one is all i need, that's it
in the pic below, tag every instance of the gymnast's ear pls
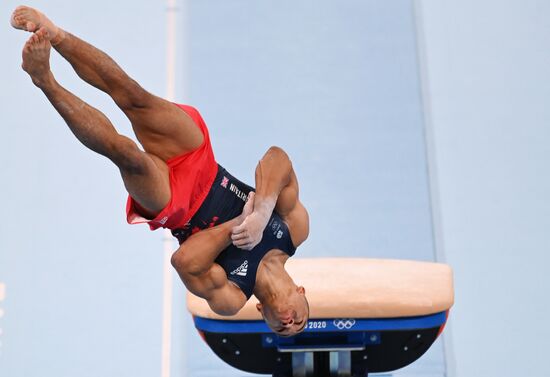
(259, 307)
(301, 290)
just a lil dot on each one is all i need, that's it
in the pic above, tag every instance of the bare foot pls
(36, 58)
(29, 19)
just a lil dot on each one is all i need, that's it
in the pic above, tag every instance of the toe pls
(43, 40)
(19, 12)
(27, 47)
(16, 22)
(23, 11)
(43, 32)
(31, 26)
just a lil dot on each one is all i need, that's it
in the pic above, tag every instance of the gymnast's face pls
(289, 316)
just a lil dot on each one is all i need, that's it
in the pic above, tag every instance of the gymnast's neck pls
(272, 280)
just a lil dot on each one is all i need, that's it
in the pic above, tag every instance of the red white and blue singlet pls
(204, 195)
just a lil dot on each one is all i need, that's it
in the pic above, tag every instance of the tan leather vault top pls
(359, 288)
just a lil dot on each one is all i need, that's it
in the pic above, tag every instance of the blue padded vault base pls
(373, 345)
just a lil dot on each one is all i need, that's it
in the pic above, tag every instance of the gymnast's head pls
(287, 311)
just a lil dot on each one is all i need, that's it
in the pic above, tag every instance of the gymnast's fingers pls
(238, 229)
(243, 244)
(249, 206)
(239, 236)
(245, 247)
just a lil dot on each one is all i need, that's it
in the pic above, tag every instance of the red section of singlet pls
(191, 176)
(201, 333)
(443, 325)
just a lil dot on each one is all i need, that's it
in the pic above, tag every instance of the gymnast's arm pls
(195, 263)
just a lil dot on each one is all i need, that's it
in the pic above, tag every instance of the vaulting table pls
(366, 315)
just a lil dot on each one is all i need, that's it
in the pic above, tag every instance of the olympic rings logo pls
(344, 324)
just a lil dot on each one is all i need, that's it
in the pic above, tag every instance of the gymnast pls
(233, 242)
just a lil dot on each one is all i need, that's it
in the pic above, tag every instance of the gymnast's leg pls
(145, 176)
(276, 189)
(162, 128)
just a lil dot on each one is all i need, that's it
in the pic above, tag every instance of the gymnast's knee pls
(185, 264)
(178, 260)
(131, 96)
(127, 156)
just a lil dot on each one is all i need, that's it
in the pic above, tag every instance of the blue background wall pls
(83, 289)
(487, 82)
(336, 85)
(352, 90)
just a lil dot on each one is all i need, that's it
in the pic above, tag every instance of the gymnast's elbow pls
(224, 308)
(185, 264)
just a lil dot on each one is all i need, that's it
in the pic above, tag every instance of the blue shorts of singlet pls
(224, 202)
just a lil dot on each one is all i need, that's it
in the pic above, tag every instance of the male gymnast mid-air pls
(230, 247)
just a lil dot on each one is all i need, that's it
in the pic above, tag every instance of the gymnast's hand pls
(247, 210)
(249, 232)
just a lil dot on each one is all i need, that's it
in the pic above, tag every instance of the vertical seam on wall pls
(167, 289)
(431, 166)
